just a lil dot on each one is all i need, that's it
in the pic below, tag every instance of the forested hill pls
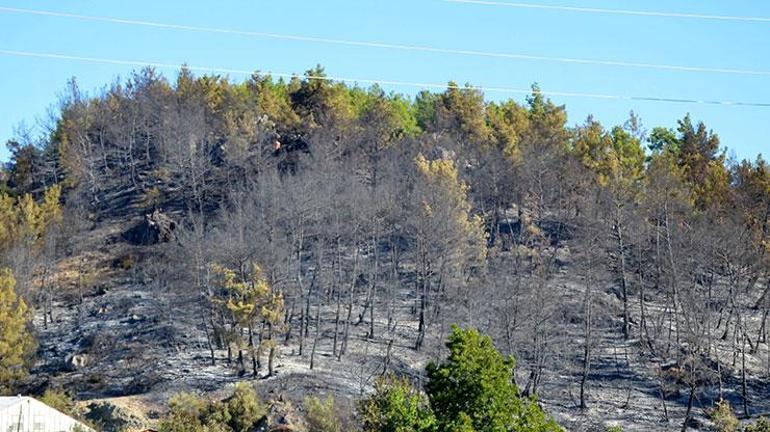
(312, 236)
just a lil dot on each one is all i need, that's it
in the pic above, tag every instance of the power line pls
(615, 11)
(422, 85)
(392, 46)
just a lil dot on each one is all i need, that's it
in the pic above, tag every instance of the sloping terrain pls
(132, 339)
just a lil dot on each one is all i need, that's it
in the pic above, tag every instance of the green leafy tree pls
(463, 423)
(396, 406)
(476, 382)
(16, 341)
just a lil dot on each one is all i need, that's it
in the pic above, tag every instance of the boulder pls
(157, 227)
(77, 361)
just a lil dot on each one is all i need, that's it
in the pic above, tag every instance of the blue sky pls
(30, 86)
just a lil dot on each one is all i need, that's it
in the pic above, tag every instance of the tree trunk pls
(623, 281)
(271, 360)
(337, 319)
(744, 391)
(586, 358)
(289, 318)
(253, 351)
(209, 342)
(317, 334)
(689, 407)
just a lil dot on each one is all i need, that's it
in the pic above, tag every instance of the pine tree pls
(248, 299)
(476, 383)
(16, 341)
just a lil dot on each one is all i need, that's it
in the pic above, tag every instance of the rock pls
(112, 418)
(77, 361)
(156, 228)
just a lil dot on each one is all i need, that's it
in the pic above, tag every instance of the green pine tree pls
(16, 341)
(474, 387)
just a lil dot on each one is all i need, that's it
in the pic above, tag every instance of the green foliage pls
(59, 400)
(190, 413)
(396, 406)
(761, 425)
(425, 110)
(546, 120)
(244, 408)
(25, 220)
(663, 140)
(272, 99)
(462, 110)
(614, 428)
(752, 187)
(724, 418)
(322, 415)
(476, 381)
(695, 150)
(246, 300)
(185, 414)
(508, 122)
(17, 344)
(615, 156)
(463, 423)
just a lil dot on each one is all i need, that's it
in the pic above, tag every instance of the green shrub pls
(185, 414)
(244, 408)
(321, 415)
(59, 400)
(238, 413)
(723, 417)
(396, 406)
(761, 425)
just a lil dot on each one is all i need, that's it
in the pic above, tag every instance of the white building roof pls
(6, 401)
(26, 414)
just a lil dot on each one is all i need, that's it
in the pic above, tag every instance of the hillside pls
(309, 237)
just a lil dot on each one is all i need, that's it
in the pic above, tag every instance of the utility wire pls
(422, 85)
(615, 11)
(392, 46)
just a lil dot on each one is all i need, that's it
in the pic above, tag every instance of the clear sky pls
(30, 86)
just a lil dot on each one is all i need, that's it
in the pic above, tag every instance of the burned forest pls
(170, 238)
